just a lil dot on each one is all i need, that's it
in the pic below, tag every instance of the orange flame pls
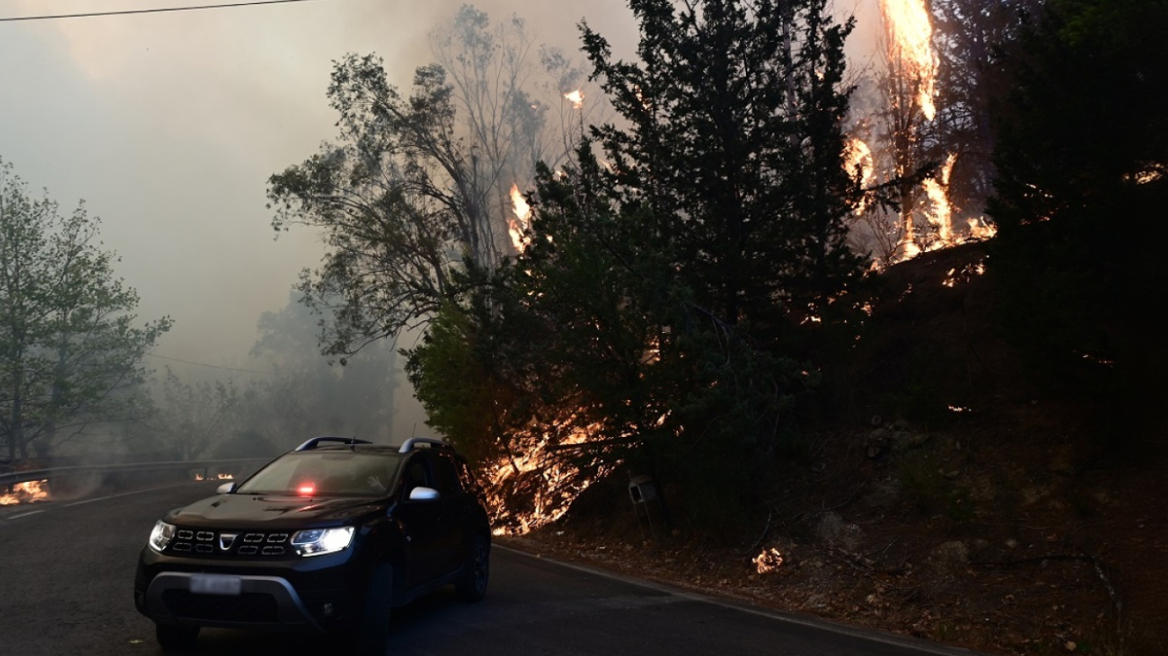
(907, 22)
(225, 477)
(558, 482)
(860, 165)
(767, 561)
(980, 230)
(937, 189)
(27, 492)
(518, 226)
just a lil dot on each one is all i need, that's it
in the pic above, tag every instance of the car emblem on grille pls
(226, 540)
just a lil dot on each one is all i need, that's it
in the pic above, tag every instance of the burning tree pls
(417, 186)
(656, 312)
(70, 353)
(926, 137)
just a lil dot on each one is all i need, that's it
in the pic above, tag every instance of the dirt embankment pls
(988, 518)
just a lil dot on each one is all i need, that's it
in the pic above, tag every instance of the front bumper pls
(318, 594)
(263, 600)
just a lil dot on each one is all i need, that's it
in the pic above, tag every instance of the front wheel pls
(373, 637)
(174, 638)
(476, 571)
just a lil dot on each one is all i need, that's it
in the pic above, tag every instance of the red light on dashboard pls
(306, 488)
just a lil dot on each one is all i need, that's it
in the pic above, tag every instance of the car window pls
(447, 475)
(326, 473)
(417, 474)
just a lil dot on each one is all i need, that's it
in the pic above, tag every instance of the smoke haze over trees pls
(416, 186)
(70, 347)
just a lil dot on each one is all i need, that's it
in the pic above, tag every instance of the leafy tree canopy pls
(70, 349)
(650, 317)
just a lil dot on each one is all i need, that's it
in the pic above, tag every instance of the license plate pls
(216, 584)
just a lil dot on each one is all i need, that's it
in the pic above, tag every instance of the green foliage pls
(414, 185)
(70, 353)
(1082, 184)
(658, 307)
(735, 149)
(454, 386)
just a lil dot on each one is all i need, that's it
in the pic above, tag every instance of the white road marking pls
(26, 514)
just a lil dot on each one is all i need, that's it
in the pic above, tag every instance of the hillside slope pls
(956, 498)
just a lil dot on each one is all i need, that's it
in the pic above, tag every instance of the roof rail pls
(314, 442)
(409, 444)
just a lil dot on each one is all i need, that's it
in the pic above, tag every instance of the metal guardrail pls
(12, 478)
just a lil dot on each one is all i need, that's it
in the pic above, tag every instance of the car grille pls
(247, 607)
(227, 544)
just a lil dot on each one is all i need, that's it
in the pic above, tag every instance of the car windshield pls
(327, 474)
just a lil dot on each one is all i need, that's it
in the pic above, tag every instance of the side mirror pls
(226, 488)
(422, 493)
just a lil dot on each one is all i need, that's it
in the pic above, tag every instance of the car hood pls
(271, 511)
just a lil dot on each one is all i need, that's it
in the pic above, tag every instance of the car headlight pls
(320, 541)
(161, 536)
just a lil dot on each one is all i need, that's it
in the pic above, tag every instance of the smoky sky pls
(168, 126)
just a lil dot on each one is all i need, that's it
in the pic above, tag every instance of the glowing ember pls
(1149, 174)
(911, 36)
(200, 477)
(225, 477)
(767, 561)
(576, 98)
(964, 274)
(518, 226)
(27, 492)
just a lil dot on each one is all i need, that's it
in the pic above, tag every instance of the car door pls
(421, 521)
(453, 541)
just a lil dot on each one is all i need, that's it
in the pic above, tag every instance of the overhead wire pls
(211, 366)
(156, 10)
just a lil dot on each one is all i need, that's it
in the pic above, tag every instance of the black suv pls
(326, 538)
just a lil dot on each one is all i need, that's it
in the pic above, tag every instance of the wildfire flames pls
(910, 44)
(576, 98)
(518, 226)
(199, 476)
(27, 492)
(532, 487)
(860, 164)
(767, 561)
(937, 189)
(912, 61)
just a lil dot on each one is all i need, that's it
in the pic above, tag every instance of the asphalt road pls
(67, 570)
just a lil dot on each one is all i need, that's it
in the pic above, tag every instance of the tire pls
(373, 635)
(175, 638)
(476, 571)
